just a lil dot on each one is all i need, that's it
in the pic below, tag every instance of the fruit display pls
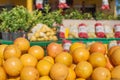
(42, 32)
(94, 61)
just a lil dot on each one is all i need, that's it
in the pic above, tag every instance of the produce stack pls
(93, 61)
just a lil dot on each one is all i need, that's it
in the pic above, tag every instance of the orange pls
(13, 66)
(59, 71)
(101, 73)
(36, 51)
(115, 73)
(97, 59)
(71, 75)
(29, 73)
(112, 49)
(64, 58)
(3, 75)
(2, 48)
(49, 59)
(98, 47)
(13, 78)
(80, 54)
(22, 43)
(115, 57)
(76, 45)
(83, 69)
(45, 78)
(44, 67)
(28, 60)
(11, 51)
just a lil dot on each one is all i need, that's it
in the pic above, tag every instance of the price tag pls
(62, 29)
(105, 2)
(66, 46)
(117, 28)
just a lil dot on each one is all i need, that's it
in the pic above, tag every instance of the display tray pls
(45, 43)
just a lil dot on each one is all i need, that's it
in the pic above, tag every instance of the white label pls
(62, 29)
(82, 29)
(66, 46)
(99, 29)
(108, 29)
(39, 1)
(117, 28)
(62, 1)
(105, 2)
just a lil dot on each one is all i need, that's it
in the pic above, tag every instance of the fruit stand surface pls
(45, 43)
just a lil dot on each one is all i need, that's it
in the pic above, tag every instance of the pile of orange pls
(20, 61)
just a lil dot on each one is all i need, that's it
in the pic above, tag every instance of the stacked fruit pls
(42, 32)
(20, 61)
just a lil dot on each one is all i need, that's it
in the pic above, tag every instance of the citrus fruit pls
(49, 59)
(97, 59)
(28, 60)
(2, 48)
(3, 75)
(71, 75)
(45, 78)
(101, 73)
(115, 57)
(44, 67)
(53, 49)
(112, 49)
(36, 51)
(115, 73)
(11, 51)
(29, 73)
(80, 54)
(13, 66)
(22, 43)
(64, 58)
(59, 71)
(83, 69)
(98, 47)
(76, 45)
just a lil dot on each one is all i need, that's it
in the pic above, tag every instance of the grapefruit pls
(53, 49)
(36, 51)
(49, 59)
(44, 67)
(28, 60)
(64, 58)
(115, 73)
(80, 54)
(11, 51)
(115, 57)
(76, 45)
(59, 71)
(22, 43)
(98, 47)
(101, 73)
(45, 78)
(29, 73)
(83, 69)
(97, 59)
(13, 66)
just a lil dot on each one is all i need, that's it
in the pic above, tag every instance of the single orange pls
(36, 51)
